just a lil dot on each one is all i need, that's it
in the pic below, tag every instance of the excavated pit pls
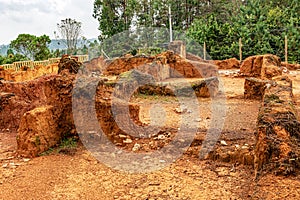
(41, 109)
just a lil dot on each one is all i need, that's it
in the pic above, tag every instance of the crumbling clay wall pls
(277, 146)
(258, 70)
(261, 66)
(28, 74)
(178, 67)
(18, 98)
(254, 88)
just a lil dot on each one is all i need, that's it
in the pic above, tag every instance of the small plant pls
(37, 141)
(70, 142)
(67, 146)
(48, 152)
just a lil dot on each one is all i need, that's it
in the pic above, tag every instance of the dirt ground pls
(80, 176)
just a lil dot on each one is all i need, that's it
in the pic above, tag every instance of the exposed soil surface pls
(69, 175)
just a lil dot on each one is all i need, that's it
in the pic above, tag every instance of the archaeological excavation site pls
(166, 126)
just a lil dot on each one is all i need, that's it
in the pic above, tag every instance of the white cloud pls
(59, 5)
(40, 17)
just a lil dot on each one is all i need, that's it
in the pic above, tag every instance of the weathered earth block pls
(162, 66)
(262, 66)
(231, 63)
(38, 131)
(277, 146)
(18, 98)
(255, 88)
(133, 82)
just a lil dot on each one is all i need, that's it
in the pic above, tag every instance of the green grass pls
(65, 145)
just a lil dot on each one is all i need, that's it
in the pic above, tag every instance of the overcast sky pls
(38, 17)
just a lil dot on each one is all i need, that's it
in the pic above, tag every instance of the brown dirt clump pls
(290, 66)
(231, 63)
(262, 66)
(69, 63)
(255, 88)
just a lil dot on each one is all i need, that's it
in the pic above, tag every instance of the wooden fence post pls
(286, 48)
(204, 50)
(241, 49)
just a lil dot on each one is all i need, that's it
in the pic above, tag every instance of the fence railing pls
(32, 64)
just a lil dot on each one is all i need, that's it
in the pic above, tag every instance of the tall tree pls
(70, 31)
(31, 46)
(113, 16)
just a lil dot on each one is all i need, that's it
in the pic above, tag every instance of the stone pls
(181, 109)
(198, 120)
(223, 143)
(161, 137)
(136, 147)
(128, 141)
(5, 165)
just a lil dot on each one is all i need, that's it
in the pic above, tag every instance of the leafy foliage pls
(32, 47)
(262, 25)
(11, 57)
(70, 30)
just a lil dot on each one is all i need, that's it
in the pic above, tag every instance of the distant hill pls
(3, 49)
(55, 44)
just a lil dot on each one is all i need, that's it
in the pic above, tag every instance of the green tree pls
(31, 46)
(113, 16)
(262, 26)
(11, 57)
(70, 31)
(219, 37)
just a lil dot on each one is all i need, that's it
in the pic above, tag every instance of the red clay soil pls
(79, 176)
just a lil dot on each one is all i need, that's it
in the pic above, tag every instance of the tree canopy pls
(31, 46)
(262, 25)
(70, 31)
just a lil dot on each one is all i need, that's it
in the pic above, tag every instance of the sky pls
(38, 17)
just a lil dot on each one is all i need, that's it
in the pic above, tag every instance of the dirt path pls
(80, 176)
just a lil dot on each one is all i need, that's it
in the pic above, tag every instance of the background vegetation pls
(262, 25)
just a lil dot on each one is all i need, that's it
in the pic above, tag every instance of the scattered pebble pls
(127, 141)
(136, 147)
(223, 143)
(181, 140)
(161, 137)
(5, 165)
(198, 120)
(181, 109)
